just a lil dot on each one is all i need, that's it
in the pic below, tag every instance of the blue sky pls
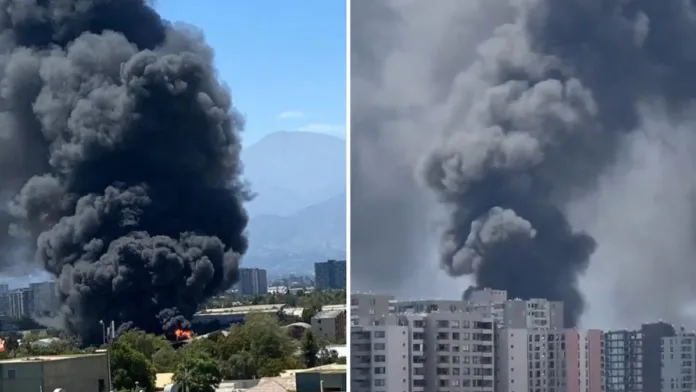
(283, 60)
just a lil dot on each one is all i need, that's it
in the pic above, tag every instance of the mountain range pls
(298, 215)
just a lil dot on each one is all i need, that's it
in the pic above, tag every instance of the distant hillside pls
(318, 227)
(291, 170)
(294, 243)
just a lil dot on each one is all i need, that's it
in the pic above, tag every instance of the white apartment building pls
(459, 352)
(426, 306)
(516, 313)
(388, 356)
(20, 302)
(365, 308)
(678, 356)
(531, 360)
(438, 351)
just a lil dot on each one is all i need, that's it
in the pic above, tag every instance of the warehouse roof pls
(47, 358)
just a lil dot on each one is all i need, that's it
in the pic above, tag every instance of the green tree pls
(129, 366)
(273, 367)
(146, 343)
(165, 359)
(197, 374)
(201, 347)
(239, 366)
(327, 356)
(310, 349)
(309, 312)
(265, 340)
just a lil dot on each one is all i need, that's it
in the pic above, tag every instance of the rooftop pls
(48, 358)
(243, 309)
(274, 384)
(298, 324)
(328, 314)
(330, 368)
(334, 307)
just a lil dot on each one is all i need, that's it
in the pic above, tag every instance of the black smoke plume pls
(122, 148)
(551, 96)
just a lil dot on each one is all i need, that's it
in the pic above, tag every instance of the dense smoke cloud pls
(529, 105)
(122, 150)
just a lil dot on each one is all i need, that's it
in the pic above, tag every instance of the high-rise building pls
(4, 299)
(383, 356)
(21, 303)
(427, 306)
(679, 362)
(330, 275)
(516, 313)
(592, 355)
(633, 358)
(653, 334)
(548, 360)
(44, 297)
(252, 281)
(365, 308)
(415, 352)
(623, 361)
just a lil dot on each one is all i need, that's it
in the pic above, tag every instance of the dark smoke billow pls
(533, 119)
(122, 149)
(548, 120)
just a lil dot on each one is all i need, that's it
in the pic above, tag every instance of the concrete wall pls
(573, 345)
(21, 376)
(81, 374)
(512, 365)
(311, 382)
(325, 328)
(595, 358)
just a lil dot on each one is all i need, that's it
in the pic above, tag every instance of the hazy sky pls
(283, 60)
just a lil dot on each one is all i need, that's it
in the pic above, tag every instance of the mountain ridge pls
(300, 213)
(290, 170)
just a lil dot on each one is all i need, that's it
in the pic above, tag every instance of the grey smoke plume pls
(528, 104)
(122, 148)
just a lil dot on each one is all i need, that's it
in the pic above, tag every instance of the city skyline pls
(492, 343)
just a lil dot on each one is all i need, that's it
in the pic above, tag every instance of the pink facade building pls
(549, 360)
(593, 369)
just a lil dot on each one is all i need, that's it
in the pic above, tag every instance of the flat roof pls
(328, 314)
(47, 358)
(330, 368)
(241, 309)
(334, 307)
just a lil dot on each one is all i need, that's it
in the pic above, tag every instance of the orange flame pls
(182, 334)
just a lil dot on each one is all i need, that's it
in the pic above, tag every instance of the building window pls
(11, 374)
